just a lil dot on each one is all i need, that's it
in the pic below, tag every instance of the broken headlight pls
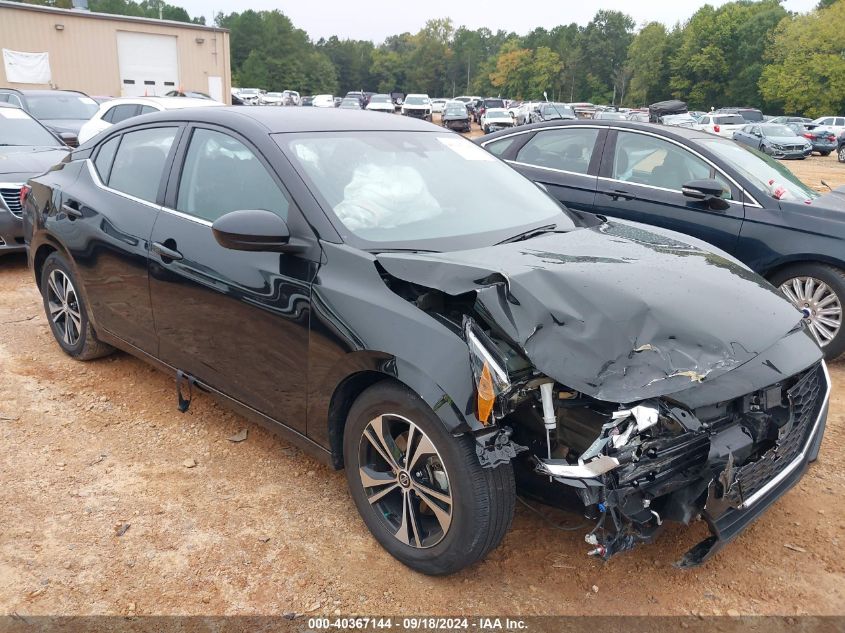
(489, 370)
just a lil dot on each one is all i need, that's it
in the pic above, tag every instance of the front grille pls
(12, 198)
(805, 399)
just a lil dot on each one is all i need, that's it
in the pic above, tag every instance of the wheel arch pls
(41, 252)
(800, 259)
(400, 372)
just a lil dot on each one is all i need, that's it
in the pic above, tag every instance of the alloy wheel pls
(842, 155)
(405, 480)
(64, 307)
(820, 305)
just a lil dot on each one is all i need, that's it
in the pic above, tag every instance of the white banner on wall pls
(26, 68)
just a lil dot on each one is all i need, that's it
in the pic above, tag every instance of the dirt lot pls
(115, 503)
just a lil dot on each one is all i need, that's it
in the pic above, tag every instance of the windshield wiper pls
(527, 235)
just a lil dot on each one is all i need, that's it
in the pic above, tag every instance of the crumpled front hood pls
(787, 140)
(26, 162)
(616, 311)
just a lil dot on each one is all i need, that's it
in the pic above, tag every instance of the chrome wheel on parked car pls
(405, 480)
(841, 154)
(820, 305)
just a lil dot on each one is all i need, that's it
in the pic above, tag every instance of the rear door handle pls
(166, 253)
(70, 210)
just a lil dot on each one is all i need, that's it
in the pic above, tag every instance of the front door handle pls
(620, 193)
(166, 253)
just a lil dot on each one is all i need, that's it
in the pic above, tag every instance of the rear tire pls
(67, 313)
(423, 458)
(840, 154)
(827, 304)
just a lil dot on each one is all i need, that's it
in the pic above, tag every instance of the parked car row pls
(333, 277)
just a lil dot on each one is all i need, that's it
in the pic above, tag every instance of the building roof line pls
(109, 16)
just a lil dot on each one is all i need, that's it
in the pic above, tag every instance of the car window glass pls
(568, 150)
(147, 110)
(121, 112)
(498, 148)
(105, 156)
(221, 175)
(14, 100)
(648, 160)
(139, 162)
(840, 121)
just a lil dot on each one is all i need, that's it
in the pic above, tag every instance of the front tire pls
(421, 491)
(840, 154)
(818, 291)
(67, 313)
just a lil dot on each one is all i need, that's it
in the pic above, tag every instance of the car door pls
(641, 177)
(564, 160)
(235, 320)
(112, 207)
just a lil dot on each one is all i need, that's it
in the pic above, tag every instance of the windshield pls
(494, 103)
(556, 110)
(61, 106)
(497, 114)
(380, 99)
(250, 91)
(417, 101)
(752, 116)
(408, 189)
(350, 103)
(18, 128)
(777, 130)
(765, 172)
(729, 119)
(456, 110)
(612, 116)
(274, 94)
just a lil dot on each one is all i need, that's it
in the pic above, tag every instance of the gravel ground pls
(115, 503)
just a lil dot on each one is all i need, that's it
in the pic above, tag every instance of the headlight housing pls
(489, 369)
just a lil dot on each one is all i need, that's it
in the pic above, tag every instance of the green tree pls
(806, 71)
(605, 44)
(648, 64)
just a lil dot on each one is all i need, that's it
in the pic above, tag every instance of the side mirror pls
(708, 191)
(255, 230)
(69, 138)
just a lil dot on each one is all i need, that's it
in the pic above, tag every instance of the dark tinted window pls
(105, 157)
(568, 150)
(498, 148)
(119, 113)
(139, 162)
(61, 105)
(494, 103)
(221, 174)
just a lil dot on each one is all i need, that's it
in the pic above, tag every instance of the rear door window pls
(566, 150)
(139, 162)
(121, 112)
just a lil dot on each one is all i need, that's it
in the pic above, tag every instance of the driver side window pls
(221, 174)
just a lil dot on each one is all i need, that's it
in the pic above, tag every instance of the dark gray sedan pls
(778, 141)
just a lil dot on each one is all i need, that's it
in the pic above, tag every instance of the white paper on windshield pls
(465, 149)
(13, 113)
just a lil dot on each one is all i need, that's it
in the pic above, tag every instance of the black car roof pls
(668, 131)
(276, 120)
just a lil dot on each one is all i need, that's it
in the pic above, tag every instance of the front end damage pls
(611, 394)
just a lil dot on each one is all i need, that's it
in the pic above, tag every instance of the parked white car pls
(272, 98)
(418, 106)
(250, 96)
(438, 105)
(323, 101)
(835, 124)
(117, 110)
(380, 103)
(495, 119)
(721, 124)
(523, 113)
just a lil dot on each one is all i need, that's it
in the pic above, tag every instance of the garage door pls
(149, 64)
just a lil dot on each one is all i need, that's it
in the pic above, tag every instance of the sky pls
(376, 19)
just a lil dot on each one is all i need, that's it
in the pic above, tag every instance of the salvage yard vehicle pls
(735, 198)
(834, 123)
(721, 124)
(63, 111)
(821, 139)
(331, 276)
(381, 103)
(27, 148)
(120, 109)
(778, 141)
(455, 117)
(494, 120)
(547, 111)
(417, 106)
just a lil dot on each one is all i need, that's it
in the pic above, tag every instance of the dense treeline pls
(743, 53)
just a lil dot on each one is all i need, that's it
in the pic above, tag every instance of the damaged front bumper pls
(725, 464)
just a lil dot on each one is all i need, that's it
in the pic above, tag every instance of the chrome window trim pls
(554, 169)
(801, 458)
(95, 177)
(752, 201)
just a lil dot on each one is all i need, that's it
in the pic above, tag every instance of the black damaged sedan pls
(331, 276)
